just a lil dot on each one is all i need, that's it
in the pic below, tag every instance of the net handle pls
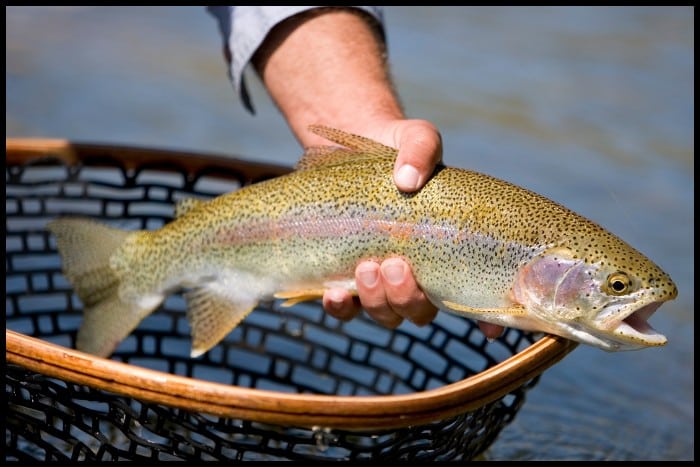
(309, 410)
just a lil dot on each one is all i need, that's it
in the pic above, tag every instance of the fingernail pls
(368, 275)
(407, 178)
(335, 299)
(393, 272)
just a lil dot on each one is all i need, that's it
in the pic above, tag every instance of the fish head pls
(602, 301)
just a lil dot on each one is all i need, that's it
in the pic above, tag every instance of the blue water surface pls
(590, 106)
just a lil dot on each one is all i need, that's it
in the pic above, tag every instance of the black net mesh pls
(298, 350)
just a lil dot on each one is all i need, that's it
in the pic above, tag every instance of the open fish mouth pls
(635, 328)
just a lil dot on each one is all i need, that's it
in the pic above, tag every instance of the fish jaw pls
(624, 334)
(630, 330)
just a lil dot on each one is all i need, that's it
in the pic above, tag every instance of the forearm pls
(337, 55)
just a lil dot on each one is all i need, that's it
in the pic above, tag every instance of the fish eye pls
(618, 283)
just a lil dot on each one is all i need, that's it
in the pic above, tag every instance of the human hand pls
(388, 291)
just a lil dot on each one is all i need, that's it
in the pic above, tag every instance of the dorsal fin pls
(355, 148)
(325, 155)
(355, 142)
(186, 205)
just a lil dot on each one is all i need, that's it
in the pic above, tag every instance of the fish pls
(479, 247)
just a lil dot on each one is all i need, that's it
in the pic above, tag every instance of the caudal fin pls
(86, 248)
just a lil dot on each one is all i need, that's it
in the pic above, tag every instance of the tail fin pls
(86, 248)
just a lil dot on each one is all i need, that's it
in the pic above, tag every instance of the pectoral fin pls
(515, 310)
(292, 297)
(212, 314)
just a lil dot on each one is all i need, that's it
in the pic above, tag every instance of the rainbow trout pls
(478, 246)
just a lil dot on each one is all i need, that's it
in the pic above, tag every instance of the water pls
(590, 106)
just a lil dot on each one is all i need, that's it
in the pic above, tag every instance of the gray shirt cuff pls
(244, 28)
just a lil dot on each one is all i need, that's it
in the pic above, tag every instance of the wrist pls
(328, 67)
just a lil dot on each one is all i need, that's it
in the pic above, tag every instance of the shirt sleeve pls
(244, 28)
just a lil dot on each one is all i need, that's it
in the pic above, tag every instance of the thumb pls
(420, 149)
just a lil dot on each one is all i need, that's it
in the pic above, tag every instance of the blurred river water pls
(590, 106)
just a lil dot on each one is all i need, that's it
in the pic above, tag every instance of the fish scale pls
(478, 246)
